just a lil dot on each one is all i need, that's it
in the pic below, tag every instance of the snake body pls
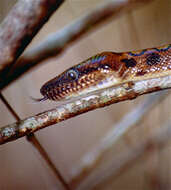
(108, 69)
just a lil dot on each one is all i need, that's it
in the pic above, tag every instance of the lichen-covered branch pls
(120, 163)
(55, 43)
(103, 98)
(94, 157)
(20, 26)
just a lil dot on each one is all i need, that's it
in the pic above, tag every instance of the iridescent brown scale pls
(108, 69)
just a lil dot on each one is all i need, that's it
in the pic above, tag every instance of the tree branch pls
(20, 26)
(103, 98)
(55, 43)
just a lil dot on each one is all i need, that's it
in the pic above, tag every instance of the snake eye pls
(106, 67)
(72, 75)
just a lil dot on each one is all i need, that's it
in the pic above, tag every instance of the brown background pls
(21, 167)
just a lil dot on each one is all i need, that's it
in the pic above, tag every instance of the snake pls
(108, 69)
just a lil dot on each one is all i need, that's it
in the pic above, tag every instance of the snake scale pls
(108, 69)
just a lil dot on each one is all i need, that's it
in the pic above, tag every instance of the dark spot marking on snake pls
(153, 59)
(129, 62)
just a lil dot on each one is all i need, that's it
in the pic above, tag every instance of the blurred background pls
(68, 142)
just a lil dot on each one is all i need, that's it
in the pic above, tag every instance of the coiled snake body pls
(108, 69)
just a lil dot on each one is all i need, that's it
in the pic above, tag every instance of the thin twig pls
(103, 98)
(55, 43)
(36, 144)
(93, 158)
(120, 163)
(20, 26)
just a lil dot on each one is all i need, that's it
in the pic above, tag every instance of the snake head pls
(86, 77)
